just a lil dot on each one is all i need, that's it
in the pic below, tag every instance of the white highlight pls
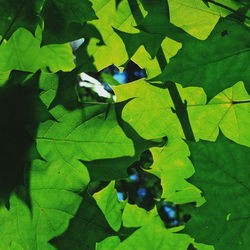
(95, 85)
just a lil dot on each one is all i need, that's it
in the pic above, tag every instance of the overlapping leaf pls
(227, 111)
(197, 18)
(172, 165)
(23, 48)
(16, 14)
(112, 209)
(119, 17)
(82, 134)
(53, 191)
(153, 235)
(215, 63)
(64, 20)
(86, 228)
(63, 149)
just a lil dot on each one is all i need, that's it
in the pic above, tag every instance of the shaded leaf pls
(222, 171)
(64, 20)
(16, 14)
(215, 63)
(88, 227)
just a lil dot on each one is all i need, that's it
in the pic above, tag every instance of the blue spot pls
(120, 196)
(107, 87)
(120, 77)
(170, 212)
(140, 73)
(175, 222)
(133, 177)
(142, 192)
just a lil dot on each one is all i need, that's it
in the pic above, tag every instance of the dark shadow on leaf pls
(86, 228)
(67, 91)
(116, 168)
(20, 109)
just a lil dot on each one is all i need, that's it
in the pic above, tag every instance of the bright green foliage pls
(138, 111)
(153, 235)
(119, 17)
(222, 172)
(173, 167)
(107, 200)
(134, 216)
(196, 18)
(53, 201)
(189, 15)
(73, 131)
(169, 47)
(62, 153)
(228, 111)
(109, 243)
(23, 48)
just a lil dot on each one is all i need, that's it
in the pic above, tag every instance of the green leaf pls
(138, 112)
(222, 171)
(119, 17)
(150, 113)
(107, 201)
(152, 65)
(196, 18)
(193, 16)
(16, 14)
(83, 134)
(228, 111)
(108, 78)
(54, 201)
(48, 82)
(172, 165)
(154, 235)
(64, 20)
(108, 243)
(134, 216)
(86, 228)
(116, 168)
(215, 63)
(23, 48)
(21, 110)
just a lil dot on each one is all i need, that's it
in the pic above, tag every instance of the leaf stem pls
(180, 107)
(228, 8)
